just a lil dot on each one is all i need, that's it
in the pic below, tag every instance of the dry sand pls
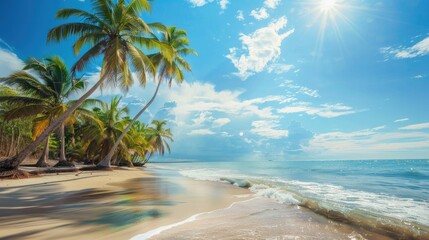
(104, 205)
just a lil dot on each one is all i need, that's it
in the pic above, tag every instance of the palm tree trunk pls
(18, 141)
(43, 159)
(63, 144)
(9, 151)
(14, 162)
(63, 161)
(2, 147)
(106, 161)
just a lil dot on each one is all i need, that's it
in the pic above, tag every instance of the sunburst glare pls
(331, 14)
(327, 5)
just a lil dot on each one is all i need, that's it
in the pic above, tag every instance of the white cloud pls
(226, 134)
(262, 46)
(271, 3)
(202, 118)
(376, 144)
(401, 120)
(259, 14)
(9, 63)
(223, 4)
(269, 98)
(201, 132)
(418, 76)
(419, 49)
(279, 68)
(217, 123)
(294, 89)
(240, 15)
(267, 128)
(324, 110)
(196, 97)
(416, 126)
(199, 3)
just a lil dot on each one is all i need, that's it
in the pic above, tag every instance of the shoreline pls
(153, 202)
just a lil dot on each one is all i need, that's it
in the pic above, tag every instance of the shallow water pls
(259, 218)
(389, 196)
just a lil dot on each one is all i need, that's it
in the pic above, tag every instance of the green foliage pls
(39, 92)
(37, 97)
(115, 31)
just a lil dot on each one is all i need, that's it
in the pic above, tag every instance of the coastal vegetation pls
(47, 114)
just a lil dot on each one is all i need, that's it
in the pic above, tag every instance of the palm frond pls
(88, 56)
(21, 100)
(85, 16)
(24, 111)
(70, 29)
(39, 125)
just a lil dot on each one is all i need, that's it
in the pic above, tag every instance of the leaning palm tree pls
(114, 31)
(169, 69)
(44, 98)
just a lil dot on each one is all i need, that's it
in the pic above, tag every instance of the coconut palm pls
(168, 69)
(159, 137)
(115, 31)
(139, 146)
(99, 138)
(13, 134)
(44, 98)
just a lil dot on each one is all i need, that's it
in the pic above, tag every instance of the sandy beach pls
(160, 204)
(104, 205)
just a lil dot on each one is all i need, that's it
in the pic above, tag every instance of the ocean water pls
(388, 196)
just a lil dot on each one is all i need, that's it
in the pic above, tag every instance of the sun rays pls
(331, 15)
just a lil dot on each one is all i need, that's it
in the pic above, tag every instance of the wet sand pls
(262, 218)
(104, 205)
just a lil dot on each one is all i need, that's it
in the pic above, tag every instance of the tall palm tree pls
(114, 31)
(169, 69)
(44, 97)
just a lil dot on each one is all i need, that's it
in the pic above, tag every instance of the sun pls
(331, 16)
(328, 5)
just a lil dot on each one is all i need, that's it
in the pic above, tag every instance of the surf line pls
(192, 218)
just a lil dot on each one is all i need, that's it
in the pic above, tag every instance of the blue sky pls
(276, 79)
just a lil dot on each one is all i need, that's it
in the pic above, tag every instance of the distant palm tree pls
(169, 69)
(114, 31)
(44, 97)
(100, 137)
(159, 137)
(139, 145)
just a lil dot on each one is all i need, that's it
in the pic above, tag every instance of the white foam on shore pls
(326, 195)
(192, 218)
(273, 193)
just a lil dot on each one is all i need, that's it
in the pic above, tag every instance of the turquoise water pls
(392, 194)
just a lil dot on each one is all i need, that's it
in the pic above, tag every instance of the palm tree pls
(44, 97)
(168, 70)
(13, 134)
(159, 136)
(114, 31)
(100, 136)
(139, 145)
